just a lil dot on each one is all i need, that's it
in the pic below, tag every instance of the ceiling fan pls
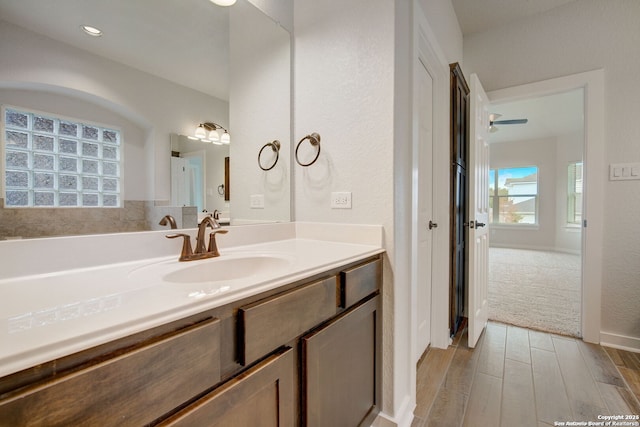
(493, 122)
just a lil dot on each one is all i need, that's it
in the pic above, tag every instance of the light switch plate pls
(624, 171)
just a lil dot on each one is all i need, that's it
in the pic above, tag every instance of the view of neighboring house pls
(522, 198)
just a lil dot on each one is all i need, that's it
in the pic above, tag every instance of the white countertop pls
(49, 315)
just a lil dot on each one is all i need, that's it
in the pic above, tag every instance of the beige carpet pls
(535, 289)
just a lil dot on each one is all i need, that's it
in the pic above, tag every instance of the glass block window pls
(50, 161)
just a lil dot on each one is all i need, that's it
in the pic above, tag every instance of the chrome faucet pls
(201, 251)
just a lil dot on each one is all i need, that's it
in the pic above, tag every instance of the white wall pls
(157, 106)
(260, 112)
(280, 11)
(353, 75)
(344, 90)
(444, 24)
(577, 37)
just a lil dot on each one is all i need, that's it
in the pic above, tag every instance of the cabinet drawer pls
(262, 396)
(131, 388)
(266, 325)
(359, 282)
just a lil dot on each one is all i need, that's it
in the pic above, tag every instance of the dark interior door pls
(459, 149)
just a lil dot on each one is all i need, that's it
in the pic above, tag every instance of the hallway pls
(521, 377)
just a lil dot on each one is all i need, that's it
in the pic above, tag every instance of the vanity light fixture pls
(92, 31)
(223, 2)
(208, 132)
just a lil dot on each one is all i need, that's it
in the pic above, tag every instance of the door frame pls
(422, 176)
(592, 82)
(430, 56)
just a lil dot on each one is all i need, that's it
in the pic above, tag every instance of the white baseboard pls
(535, 248)
(621, 342)
(404, 418)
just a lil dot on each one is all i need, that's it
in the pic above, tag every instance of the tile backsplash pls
(135, 215)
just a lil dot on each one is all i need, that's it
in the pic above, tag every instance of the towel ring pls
(275, 146)
(314, 140)
(221, 189)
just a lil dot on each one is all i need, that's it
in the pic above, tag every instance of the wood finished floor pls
(521, 377)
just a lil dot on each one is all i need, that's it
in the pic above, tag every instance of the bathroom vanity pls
(300, 347)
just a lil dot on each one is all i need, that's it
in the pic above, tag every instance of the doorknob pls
(432, 225)
(480, 224)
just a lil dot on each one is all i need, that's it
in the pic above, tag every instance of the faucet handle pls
(187, 252)
(213, 247)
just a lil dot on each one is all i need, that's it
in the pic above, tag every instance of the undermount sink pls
(225, 268)
(220, 269)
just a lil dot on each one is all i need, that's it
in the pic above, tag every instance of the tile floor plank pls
(614, 355)
(483, 408)
(552, 403)
(430, 375)
(447, 409)
(600, 364)
(540, 340)
(584, 398)
(633, 379)
(518, 344)
(493, 385)
(491, 361)
(460, 374)
(619, 400)
(518, 400)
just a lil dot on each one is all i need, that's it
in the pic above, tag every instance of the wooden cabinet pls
(130, 388)
(263, 396)
(340, 362)
(306, 353)
(459, 154)
(267, 324)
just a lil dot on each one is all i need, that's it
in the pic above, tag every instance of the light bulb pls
(223, 2)
(200, 132)
(214, 135)
(225, 138)
(92, 31)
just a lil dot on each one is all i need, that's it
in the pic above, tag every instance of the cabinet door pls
(263, 396)
(128, 389)
(340, 365)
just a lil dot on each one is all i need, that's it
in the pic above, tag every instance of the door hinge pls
(584, 223)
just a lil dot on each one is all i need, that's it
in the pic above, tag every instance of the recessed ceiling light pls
(92, 31)
(224, 2)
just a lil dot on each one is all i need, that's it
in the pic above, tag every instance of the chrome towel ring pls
(314, 140)
(275, 146)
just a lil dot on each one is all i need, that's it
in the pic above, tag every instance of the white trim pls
(621, 342)
(404, 417)
(593, 84)
(534, 248)
(427, 50)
